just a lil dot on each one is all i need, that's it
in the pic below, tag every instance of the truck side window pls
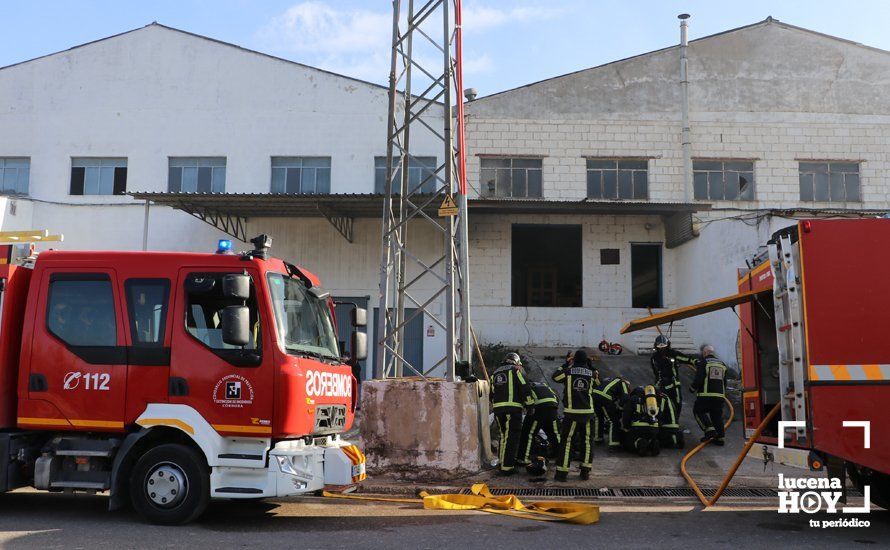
(80, 310)
(204, 305)
(147, 302)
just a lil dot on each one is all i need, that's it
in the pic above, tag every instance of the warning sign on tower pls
(448, 207)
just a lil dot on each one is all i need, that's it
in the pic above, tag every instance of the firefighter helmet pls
(512, 359)
(662, 342)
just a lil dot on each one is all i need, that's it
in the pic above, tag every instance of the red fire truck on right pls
(815, 338)
(814, 312)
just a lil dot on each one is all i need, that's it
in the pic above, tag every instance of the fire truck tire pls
(170, 485)
(879, 483)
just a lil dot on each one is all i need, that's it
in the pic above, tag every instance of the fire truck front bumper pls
(294, 468)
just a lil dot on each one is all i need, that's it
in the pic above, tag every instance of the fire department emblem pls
(233, 391)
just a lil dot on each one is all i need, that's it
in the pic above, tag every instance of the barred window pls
(197, 175)
(617, 179)
(723, 180)
(829, 182)
(14, 175)
(421, 172)
(98, 176)
(301, 175)
(511, 177)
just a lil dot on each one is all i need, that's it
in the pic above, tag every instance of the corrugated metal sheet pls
(678, 229)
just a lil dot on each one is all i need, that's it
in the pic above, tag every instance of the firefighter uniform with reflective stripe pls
(509, 394)
(639, 421)
(669, 433)
(609, 397)
(710, 388)
(667, 379)
(579, 379)
(542, 417)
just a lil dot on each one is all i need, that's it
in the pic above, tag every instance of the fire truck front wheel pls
(170, 485)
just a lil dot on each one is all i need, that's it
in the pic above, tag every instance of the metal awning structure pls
(692, 311)
(229, 212)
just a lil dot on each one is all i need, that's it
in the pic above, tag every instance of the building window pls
(829, 182)
(719, 180)
(645, 271)
(546, 266)
(421, 172)
(617, 179)
(98, 176)
(301, 175)
(511, 177)
(197, 175)
(14, 175)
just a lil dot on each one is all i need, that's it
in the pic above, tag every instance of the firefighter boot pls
(585, 473)
(561, 476)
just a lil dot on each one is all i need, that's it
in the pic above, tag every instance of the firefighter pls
(609, 396)
(579, 379)
(710, 389)
(639, 422)
(664, 367)
(509, 395)
(541, 416)
(669, 433)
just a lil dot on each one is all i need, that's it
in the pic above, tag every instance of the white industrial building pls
(579, 219)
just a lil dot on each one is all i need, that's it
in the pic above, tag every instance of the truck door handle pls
(37, 382)
(178, 387)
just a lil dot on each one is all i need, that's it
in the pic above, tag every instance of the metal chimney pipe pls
(684, 105)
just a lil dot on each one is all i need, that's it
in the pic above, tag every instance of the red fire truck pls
(814, 339)
(172, 378)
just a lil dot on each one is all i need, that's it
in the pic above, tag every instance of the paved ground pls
(29, 519)
(623, 469)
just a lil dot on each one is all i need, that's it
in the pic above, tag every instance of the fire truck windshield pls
(303, 321)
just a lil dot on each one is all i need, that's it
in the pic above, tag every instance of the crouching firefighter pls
(664, 362)
(579, 379)
(509, 395)
(639, 418)
(541, 416)
(710, 389)
(609, 396)
(669, 433)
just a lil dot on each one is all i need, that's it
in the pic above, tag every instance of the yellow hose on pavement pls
(735, 467)
(481, 499)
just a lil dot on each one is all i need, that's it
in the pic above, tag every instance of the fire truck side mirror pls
(235, 285)
(359, 346)
(359, 317)
(235, 325)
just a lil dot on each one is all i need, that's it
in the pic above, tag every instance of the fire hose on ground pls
(738, 462)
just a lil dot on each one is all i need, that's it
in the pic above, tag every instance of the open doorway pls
(546, 268)
(645, 268)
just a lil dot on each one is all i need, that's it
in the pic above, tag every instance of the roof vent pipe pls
(684, 108)
(470, 94)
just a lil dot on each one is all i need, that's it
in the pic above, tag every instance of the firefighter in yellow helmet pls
(510, 394)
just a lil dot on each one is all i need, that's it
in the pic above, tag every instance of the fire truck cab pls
(172, 378)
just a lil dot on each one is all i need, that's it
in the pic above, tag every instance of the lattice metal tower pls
(425, 77)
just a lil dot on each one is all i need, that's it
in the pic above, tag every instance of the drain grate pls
(550, 492)
(639, 492)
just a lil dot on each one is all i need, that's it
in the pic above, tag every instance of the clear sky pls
(507, 42)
